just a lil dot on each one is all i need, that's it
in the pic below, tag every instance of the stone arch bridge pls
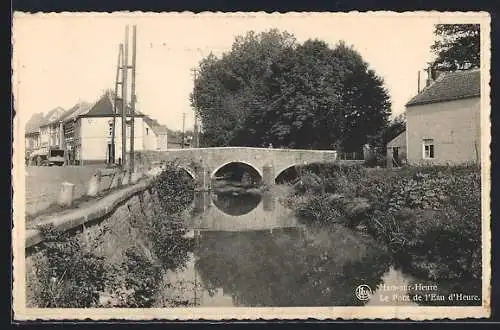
(269, 163)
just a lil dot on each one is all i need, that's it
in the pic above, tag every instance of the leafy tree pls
(366, 105)
(269, 89)
(228, 88)
(457, 47)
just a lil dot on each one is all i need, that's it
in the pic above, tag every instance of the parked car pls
(49, 157)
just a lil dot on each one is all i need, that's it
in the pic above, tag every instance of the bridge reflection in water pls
(224, 212)
(266, 257)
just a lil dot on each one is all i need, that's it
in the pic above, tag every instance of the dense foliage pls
(271, 90)
(73, 270)
(457, 47)
(430, 216)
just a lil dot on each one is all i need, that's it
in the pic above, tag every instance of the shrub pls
(69, 274)
(428, 216)
(320, 209)
(174, 188)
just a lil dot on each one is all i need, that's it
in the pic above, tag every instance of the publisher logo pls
(363, 292)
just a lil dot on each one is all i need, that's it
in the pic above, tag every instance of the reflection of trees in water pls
(160, 246)
(236, 205)
(286, 268)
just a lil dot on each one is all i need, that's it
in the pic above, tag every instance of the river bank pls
(121, 261)
(428, 217)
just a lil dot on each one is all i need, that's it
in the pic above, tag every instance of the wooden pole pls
(117, 82)
(183, 129)
(418, 83)
(132, 96)
(124, 101)
(196, 127)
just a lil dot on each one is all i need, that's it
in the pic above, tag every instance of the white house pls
(88, 131)
(443, 121)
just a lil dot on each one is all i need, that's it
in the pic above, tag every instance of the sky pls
(60, 59)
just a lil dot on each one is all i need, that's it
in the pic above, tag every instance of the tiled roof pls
(104, 107)
(52, 116)
(450, 86)
(75, 111)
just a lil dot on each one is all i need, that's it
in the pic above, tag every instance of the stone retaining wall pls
(116, 203)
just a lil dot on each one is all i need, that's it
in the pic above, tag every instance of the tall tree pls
(366, 105)
(269, 89)
(457, 47)
(228, 88)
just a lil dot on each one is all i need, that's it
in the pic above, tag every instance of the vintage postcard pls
(181, 166)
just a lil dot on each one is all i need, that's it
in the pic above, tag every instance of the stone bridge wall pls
(212, 159)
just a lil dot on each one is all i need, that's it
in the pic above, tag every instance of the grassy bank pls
(122, 261)
(430, 217)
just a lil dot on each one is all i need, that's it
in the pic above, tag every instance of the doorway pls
(111, 154)
(396, 162)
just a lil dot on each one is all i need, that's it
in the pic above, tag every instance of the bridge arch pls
(279, 174)
(255, 168)
(188, 171)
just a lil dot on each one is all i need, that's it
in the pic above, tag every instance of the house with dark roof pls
(89, 131)
(85, 132)
(443, 120)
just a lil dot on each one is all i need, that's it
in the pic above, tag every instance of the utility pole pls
(116, 100)
(196, 128)
(124, 101)
(183, 129)
(133, 99)
(418, 82)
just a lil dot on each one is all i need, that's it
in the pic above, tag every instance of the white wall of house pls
(452, 128)
(95, 136)
(150, 142)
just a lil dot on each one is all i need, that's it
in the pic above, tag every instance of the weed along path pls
(168, 245)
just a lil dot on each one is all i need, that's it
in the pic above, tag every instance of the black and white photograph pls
(247, 166)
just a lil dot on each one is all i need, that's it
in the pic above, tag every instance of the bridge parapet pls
(268, 162)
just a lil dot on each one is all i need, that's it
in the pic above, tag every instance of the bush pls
(69, 274)
(428, 216)
(174, 188)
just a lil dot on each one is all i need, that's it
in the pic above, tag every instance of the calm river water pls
(250, 250)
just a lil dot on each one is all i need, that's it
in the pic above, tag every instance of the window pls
(428, 149)
(147, 131)
(110, 129)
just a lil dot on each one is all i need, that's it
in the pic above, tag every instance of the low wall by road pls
(102, 208)
(43, 183)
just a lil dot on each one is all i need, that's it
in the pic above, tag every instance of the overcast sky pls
(62, 59)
